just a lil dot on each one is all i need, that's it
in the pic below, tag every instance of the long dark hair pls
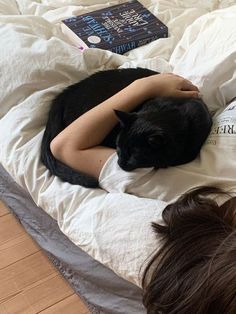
(195, 269)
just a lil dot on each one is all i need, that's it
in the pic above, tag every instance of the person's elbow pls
(58, 148)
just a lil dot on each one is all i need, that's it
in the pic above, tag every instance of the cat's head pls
(165, 132)
(144, 142)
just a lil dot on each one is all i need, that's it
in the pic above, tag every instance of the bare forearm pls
(91, 128)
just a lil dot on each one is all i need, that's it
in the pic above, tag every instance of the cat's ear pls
(125, 118)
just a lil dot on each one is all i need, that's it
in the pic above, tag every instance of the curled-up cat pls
(161, 132)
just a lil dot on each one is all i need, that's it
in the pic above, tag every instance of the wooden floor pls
(29, 283)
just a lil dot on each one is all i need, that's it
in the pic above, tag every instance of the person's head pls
(195, 269)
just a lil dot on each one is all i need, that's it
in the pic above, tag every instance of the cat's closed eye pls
(157, 140)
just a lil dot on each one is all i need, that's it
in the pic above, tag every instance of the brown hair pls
(195, 269)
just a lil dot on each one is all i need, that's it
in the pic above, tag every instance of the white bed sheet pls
(37, 62)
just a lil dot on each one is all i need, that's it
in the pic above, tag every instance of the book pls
(118, 28)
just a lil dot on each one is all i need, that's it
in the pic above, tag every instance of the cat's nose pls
(126, 165)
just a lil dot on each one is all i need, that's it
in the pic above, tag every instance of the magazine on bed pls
(118, 28)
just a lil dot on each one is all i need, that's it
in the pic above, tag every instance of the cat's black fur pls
(161, 132)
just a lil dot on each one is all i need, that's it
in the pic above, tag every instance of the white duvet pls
(37, 62)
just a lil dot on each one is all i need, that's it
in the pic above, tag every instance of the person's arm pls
(78, 145)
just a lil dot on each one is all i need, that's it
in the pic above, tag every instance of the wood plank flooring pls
(29, 283)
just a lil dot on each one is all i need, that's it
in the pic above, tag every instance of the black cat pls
(161, 132)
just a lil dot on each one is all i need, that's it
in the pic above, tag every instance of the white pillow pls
(206, 55)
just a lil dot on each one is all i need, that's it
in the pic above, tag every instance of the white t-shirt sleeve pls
(115, 180)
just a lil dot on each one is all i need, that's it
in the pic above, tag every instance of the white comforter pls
(37, 62)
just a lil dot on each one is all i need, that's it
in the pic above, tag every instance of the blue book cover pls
(119, 28)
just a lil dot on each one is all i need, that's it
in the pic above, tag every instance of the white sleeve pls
(113, 179)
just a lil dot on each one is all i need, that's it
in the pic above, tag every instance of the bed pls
(99, 241)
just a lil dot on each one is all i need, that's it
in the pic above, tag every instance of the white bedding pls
(37, 61)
